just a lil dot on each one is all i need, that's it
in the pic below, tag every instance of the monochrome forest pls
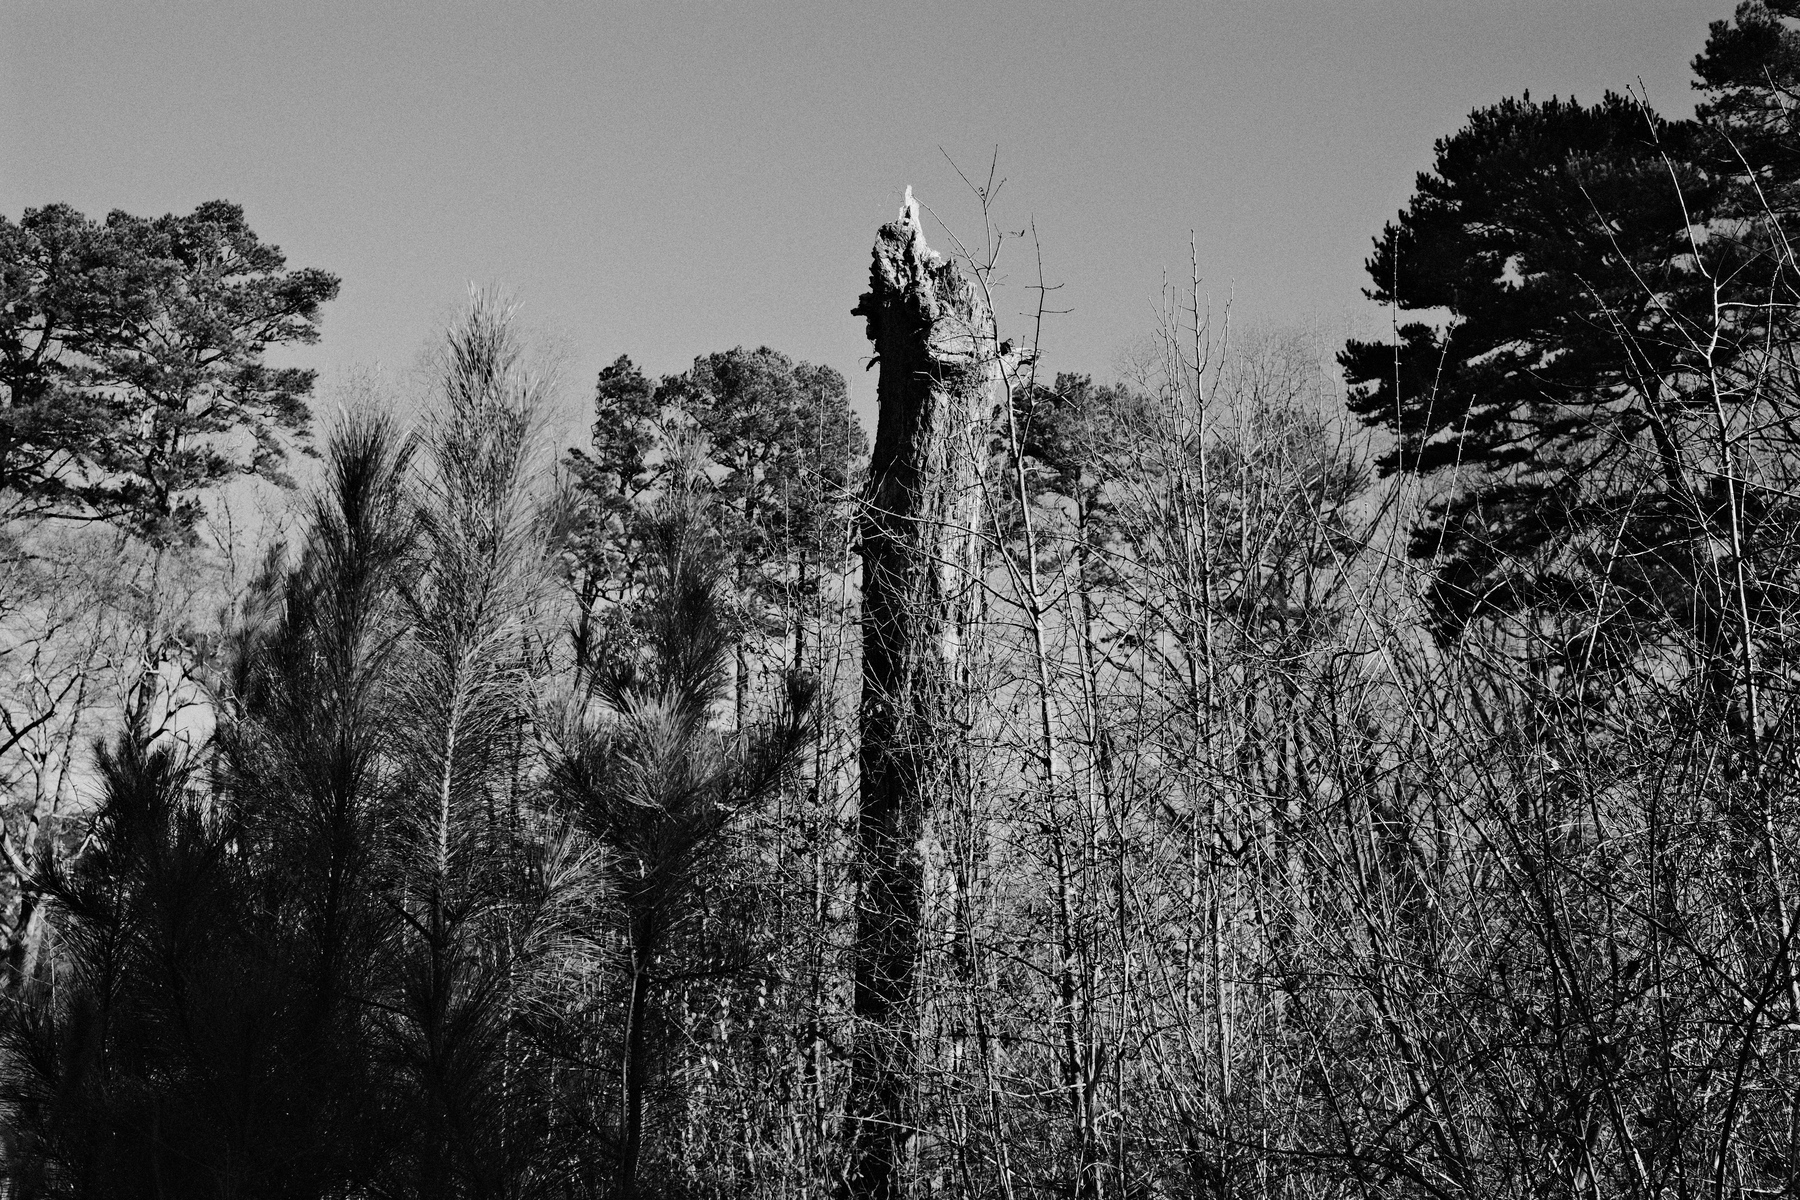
(1285, 766)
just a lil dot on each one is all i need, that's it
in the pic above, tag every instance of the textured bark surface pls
(934, 342)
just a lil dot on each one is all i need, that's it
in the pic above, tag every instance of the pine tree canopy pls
(131, 362)
(1587, 274)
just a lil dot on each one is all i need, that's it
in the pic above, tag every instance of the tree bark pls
(940, 367)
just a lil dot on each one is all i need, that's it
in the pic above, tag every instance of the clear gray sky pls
(668, 178)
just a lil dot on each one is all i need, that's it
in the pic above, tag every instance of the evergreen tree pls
(784, 439)
(1595, 287)
(1750, 71)
(484, 892)
(777, 443)
(643, 770)
(206, 1032)
(132, 376)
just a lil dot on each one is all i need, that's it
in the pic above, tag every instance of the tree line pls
(1288, 769)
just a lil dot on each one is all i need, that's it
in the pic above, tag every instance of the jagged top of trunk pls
(931, 330)
(908, 273)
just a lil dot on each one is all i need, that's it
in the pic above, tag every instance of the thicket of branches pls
(1345, 774)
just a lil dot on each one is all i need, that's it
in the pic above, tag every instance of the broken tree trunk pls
(940, 371)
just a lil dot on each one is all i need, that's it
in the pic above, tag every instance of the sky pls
(669, 178)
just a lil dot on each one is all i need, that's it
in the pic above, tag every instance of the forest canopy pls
(1291, 768)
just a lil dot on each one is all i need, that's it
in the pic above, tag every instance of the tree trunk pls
(940, 366)
(636, 1049)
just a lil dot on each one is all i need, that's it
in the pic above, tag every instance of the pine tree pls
(205, 1032)
(643, 769)
(131, 363)
(1599, 296)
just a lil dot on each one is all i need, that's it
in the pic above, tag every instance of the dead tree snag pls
(940, 371)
